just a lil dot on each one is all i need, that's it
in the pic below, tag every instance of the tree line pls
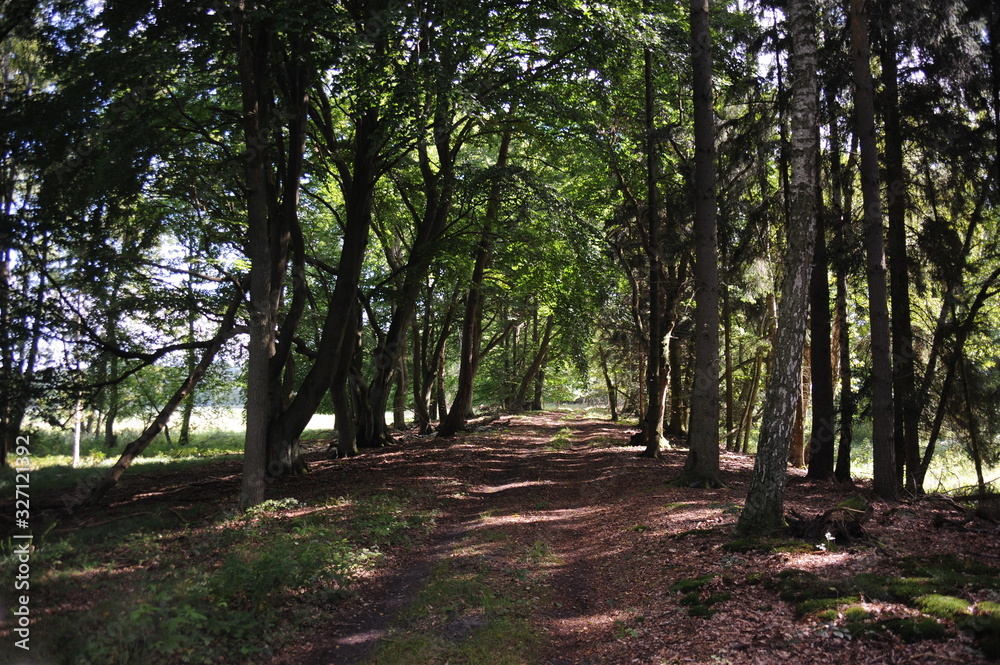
(759, 225)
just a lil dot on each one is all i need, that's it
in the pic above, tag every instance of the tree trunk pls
(399, 398)
(472, 325)
(823, 429)
(764, 508)
(471, 339)
(702, 465)
(727, 333)
(842, 195)
(883, 446)
(252, 46)
(842, 472)
(905, 415)
(656, 368)
(612, 390)
(797, 452)
(536, 365)
(975, 439)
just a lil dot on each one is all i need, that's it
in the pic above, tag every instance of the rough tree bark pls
(764, 508)
(252, 43)
(883, 446)
(823, 430)
(702, 465)
(472, 325)
(905, 414)
(656, 369)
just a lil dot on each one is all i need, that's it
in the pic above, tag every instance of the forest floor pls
(552, 534)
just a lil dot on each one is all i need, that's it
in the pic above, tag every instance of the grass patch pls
(562, 440)
(169, 590)
(541, 554)
(463, 615)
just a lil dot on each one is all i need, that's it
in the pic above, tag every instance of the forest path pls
(533, 501)
(585, 539)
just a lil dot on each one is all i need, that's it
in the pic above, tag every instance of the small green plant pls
(541, 553)
(561, 441)
(622, 630)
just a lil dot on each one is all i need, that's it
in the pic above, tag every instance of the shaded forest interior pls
(742, 228)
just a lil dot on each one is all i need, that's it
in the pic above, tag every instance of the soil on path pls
(617, 537)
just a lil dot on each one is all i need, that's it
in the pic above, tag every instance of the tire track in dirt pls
(509, 479)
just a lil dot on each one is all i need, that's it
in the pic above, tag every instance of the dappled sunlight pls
(824, 562)
(493, 489)
(563, 515)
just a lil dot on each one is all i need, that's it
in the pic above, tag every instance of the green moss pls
(691, 599)
(691, 584)
(823, 604)
(908, 588)
(915, 630)
(701, 611)
(856, 614)
(989, 608)
(827, 616)
(696, 532)
(716, 598)
(949, 567)
(856, 502)
(944, 607)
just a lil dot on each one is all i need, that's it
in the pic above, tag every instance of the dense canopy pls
(763, 227)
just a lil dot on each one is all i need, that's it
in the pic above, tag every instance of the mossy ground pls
(937, 588)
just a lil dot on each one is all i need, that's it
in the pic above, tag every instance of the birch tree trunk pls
(764, 509)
